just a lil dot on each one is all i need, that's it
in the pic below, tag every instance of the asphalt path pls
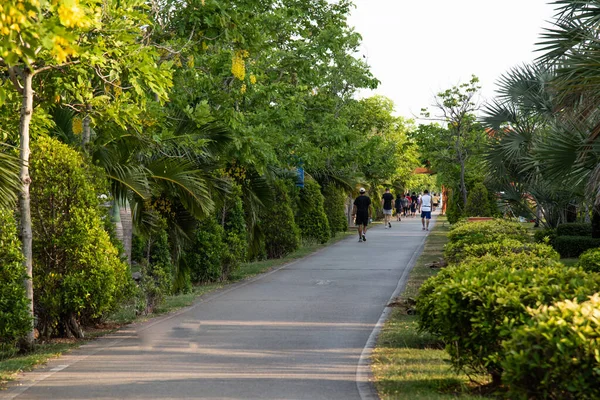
(303, 331)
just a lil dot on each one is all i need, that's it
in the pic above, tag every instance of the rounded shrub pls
(77, 272)
(15, 321)
(590, 260)
(472, 307)
(508, 246)
(311, 216)
(281, 234)
(335, 205)
(555, 355)
(478, 204)
(469, 233)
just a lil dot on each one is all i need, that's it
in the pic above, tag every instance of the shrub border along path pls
(11, 367)
(407, 364)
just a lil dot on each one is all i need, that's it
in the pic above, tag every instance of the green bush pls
(236, 237)
(478, 202)
(540, 235)
(574, 246)
(454, 208)
(15, 321)
(334, 204)
(574, 229)
(282, 235)
(77, 272)
(467, 306)
(556, 355)
(507, 246)
(204, 258)
(311, 216)
(479, 232)
(590, 260)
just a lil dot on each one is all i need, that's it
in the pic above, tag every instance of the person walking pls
(386, 203)
(398, 206)
(413, 204)
(405, 205)
(436, 201)
(426, 210)
(362, 211)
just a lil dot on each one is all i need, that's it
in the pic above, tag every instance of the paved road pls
(295, 333)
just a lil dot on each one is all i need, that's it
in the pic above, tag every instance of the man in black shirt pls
(362, 211)
(386, 203)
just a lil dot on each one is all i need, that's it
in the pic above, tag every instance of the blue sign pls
(300, 177)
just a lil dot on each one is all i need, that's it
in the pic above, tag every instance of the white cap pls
(362, 190)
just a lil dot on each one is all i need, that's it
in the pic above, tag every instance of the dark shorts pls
(426, 214)
(398, 210)
(413, 208)
(362, 218)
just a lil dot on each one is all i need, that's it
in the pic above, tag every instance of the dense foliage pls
(14, 306)
(574, 229)
(503, 247)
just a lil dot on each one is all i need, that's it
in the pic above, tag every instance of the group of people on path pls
(405, 204)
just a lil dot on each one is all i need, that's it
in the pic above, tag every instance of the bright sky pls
(418, 48)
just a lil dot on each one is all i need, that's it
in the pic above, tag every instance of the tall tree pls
(461, 138)
(47, 47)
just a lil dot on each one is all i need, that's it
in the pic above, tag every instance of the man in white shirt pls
(426, 209)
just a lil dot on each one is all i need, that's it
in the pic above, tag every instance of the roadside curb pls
(364, 375)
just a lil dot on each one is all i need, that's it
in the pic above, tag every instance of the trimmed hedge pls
(555, 355)
(334, 204)
(205, 257)
(574, 229)
(574, 246)
(282, 235)
(507, 246)
(311, 217)
(15, 321)
(469, 233)
(474, 306)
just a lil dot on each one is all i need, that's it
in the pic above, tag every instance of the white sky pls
(418, 48)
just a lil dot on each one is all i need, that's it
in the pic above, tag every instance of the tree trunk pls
(24, 198)
(463, 187)
(86, 133)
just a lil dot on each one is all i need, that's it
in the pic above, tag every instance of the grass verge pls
(408, 364)
(11, 365)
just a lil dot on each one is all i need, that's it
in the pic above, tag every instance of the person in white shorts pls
(426, 209)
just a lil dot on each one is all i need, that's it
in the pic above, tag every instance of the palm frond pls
(10, 183)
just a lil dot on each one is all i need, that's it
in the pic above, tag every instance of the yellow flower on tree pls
(243, 89)
(238, 65)
(77, 126)
(72, 15)
(253, 79)
(62, 48)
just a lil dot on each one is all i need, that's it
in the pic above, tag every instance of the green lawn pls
(406, 363)
(11, 364)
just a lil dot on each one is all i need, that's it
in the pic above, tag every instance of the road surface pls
(298, 332)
